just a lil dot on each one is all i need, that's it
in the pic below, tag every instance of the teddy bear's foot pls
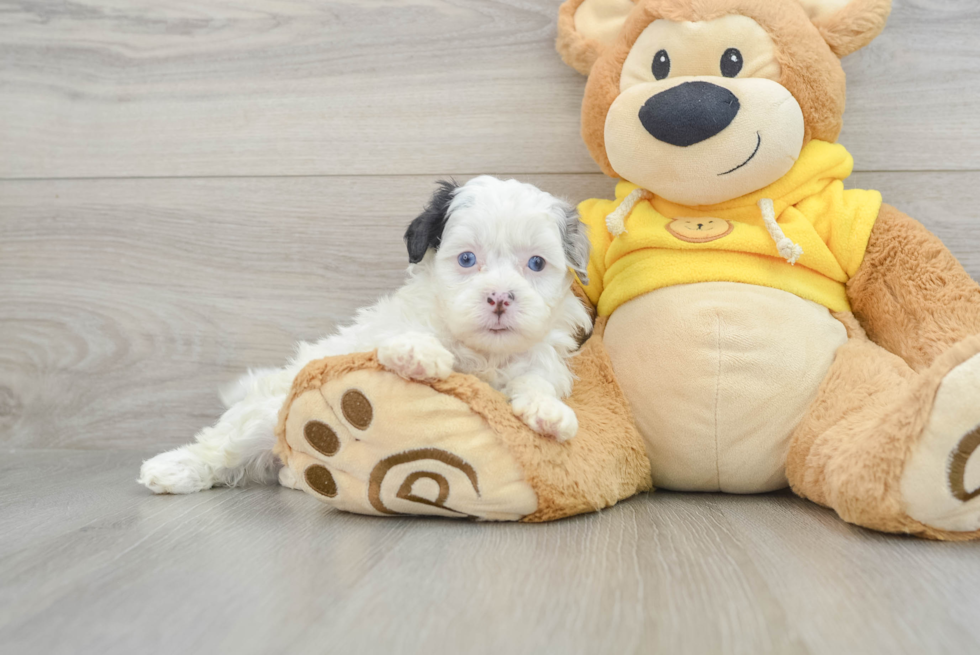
(371, 442)
(941, 481)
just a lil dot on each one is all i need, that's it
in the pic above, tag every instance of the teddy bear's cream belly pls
(719, 374)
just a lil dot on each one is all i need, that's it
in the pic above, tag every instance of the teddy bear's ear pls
(848, 25)
(586, 27)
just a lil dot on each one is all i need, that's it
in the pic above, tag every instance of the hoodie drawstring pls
(788, 250)
(616, 221)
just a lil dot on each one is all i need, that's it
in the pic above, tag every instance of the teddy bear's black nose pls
(689, 113)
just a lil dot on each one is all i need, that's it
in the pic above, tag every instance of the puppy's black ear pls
(575, 240)
(426, 231)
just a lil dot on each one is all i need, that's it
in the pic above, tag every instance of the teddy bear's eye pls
(661, 65)
(731, 62)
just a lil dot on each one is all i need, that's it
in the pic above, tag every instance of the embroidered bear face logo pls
(703, 101)
(700, 230)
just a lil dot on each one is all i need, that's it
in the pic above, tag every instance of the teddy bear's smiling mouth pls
(751, 157)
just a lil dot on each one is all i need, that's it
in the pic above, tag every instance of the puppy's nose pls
(689, 113)
(500, 301)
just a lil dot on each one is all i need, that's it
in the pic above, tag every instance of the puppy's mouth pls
(751, 157)
(499, 326)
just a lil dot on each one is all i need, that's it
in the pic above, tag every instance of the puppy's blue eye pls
(535, 263)
(466, 259)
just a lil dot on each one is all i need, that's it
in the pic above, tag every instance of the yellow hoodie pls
(661, 249)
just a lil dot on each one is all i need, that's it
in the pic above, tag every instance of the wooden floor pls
(187, 188)
(92, 564)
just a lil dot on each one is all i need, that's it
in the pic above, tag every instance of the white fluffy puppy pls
(488, 293)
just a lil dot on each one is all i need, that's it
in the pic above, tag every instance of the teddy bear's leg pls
(863, 384)
(914, 298)
(893, 449)
(365, 440)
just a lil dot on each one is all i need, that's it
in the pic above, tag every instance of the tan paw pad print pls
(941, 480)
(417, 451)
(959, 465)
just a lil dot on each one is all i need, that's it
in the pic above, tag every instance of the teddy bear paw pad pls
(372, 442)
(941, 481)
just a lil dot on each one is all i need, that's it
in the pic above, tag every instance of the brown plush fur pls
(606, 462)
(577, 51)
(851, 448)
(855, 26)
(846, 31)
(910, 294)
(810, 70)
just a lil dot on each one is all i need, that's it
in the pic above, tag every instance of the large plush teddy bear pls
(757, 324)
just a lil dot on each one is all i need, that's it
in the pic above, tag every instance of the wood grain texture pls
(303, 87)
(92, 563)
(128, 303)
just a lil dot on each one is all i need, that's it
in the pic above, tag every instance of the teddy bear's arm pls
(910, 293)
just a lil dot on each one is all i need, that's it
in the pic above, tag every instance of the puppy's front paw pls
(546, 415)
(416, 357)
(176, 472)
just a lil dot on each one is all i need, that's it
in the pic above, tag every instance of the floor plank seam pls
(400, 175)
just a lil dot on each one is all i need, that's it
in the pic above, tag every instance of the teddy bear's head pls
(702, 101)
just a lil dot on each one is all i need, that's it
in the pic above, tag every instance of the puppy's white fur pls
(447, 317)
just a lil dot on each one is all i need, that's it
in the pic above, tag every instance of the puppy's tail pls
(237, 391)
